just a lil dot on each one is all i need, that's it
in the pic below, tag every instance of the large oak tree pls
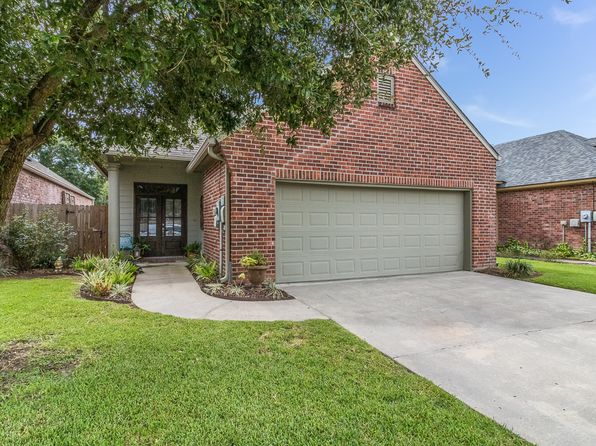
(140, 73)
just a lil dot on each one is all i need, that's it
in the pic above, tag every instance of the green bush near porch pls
(143, 378)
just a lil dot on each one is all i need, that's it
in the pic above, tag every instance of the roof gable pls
(458, 111)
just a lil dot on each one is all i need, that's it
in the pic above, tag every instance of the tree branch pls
(134, 9)
(50, 82)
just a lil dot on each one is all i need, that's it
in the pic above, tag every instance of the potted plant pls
(256, 267)
(193, 249)
(139, 248)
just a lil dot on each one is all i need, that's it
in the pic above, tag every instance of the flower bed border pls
(126, 300)
(247, 289)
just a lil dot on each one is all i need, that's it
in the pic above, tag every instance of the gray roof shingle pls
(548, 158)
(182, 152)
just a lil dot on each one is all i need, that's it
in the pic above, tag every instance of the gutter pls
(202, 154)
(547, 185)
(210, 150)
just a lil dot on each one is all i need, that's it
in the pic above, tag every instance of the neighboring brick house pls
(37, 184)
(545, 180)
(405, 184)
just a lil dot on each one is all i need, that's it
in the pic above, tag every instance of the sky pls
(550, 85)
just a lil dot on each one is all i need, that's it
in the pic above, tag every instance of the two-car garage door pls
(341, 232)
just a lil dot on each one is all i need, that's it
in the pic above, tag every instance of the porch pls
(155, 200)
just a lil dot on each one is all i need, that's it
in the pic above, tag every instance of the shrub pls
(193, 249)
(255, 258)
(515, 248)
(206, 271)
(517, 269)
(6, 270)
(192, 261)
(591, 256)
(121, 277)
(272, 289)
(37, 243)
(119, 290)
(106, 276)
(87, 263)
(563, 250)
(215, 287)
(97, 282)
(123, 272)
(236, 291)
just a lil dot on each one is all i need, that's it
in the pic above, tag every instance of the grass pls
(563, 275)
(143, 378)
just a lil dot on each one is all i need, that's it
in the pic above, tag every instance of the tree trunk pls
(11, 164)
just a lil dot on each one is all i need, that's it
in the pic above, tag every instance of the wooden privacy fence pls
(89, 222)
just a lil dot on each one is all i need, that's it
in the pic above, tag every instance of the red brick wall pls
(31, 188)
(419, 142)
(213, 189)
(534, 215)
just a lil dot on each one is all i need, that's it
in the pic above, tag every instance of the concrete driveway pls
(521, 353)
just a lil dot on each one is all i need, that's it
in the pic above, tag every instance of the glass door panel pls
(148, 217)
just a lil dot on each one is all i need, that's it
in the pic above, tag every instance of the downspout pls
(228, 251)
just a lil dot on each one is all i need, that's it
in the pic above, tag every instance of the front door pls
(160, 217)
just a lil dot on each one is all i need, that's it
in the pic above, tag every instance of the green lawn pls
(563, 275)
(143, 378)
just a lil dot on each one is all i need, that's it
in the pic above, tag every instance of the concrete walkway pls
(521, 353)
(169, 288)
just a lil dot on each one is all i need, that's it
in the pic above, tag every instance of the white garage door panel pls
(338, 232)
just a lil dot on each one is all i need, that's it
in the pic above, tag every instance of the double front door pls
(160, 218)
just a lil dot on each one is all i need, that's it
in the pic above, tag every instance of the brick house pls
(543, 183)
(404, 185)
(37, 184)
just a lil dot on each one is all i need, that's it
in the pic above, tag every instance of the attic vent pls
(385, 89)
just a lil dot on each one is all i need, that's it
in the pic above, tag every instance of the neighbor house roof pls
(550, 158)
(39, 169)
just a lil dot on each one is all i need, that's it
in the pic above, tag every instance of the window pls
(173, 217)
(67, 198)
(148, 217)
(385, 89)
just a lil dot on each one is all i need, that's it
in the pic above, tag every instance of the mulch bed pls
(251, 293)
(121, 299)
(41, 273)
